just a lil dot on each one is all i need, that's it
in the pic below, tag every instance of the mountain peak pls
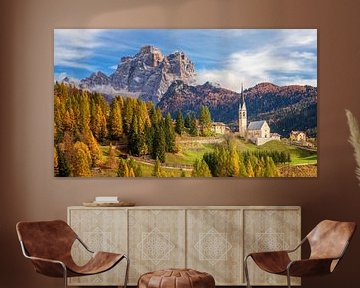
(148, 49)
(150, 73)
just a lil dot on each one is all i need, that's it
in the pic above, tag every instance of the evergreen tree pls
(128, 114)
(242, 171)
(158, 171)
(135, 167)
(159, 144)
(179, 125)
(63, 167)
(149, 138)
(270, 168)
(133, 142)
(205, 121)
(123, 169)
(187, 122)
(169, 134)
(182, 173)
(212, 162)
(193, 126)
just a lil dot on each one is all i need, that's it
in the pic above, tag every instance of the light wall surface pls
(30, 192)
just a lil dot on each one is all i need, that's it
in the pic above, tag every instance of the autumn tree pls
(200, 169)
(82, 160)
(115, 120)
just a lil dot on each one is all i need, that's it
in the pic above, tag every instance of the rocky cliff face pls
(148, 74)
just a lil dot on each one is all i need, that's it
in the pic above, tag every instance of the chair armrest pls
(309, 267)
(49, 267)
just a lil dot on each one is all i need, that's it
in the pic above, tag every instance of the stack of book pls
(106, 199)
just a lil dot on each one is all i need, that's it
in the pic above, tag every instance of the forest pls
(92, 134)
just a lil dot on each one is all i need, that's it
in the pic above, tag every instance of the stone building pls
(298, 136)
(218, 128)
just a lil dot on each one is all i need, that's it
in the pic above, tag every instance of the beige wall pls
(30, 192)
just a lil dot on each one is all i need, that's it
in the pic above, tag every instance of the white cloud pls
(266, 64)
(73, 45)
(297, 37)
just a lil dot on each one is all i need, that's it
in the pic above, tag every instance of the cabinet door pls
(101, 230)
(271, 230)
(156, 240)
(214, 244)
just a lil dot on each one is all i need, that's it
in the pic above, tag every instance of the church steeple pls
(242, 114)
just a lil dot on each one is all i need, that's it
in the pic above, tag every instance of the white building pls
(257, 132)
(218, 128)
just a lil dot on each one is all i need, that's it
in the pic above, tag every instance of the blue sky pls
(224, 56)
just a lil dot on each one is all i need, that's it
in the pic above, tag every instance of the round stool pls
(176, 278)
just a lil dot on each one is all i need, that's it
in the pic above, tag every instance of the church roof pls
(256, 125)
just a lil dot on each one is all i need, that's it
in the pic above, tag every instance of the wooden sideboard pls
(212, 239)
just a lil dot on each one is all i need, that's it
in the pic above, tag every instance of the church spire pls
(242, 94)
(242, 114)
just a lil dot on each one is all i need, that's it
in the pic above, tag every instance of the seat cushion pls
(272, 262)
(176, 278)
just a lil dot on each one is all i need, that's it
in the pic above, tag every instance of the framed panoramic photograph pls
(185, 103)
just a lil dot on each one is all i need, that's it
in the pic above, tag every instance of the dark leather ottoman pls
(176, 278)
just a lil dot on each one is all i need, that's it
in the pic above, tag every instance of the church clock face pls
(244, 114)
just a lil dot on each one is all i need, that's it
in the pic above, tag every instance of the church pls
(257, 132)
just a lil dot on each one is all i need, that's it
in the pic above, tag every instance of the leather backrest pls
(329, 238)
(46, 239)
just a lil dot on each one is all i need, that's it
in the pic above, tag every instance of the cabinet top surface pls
(193, 207)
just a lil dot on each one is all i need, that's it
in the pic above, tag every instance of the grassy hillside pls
(190, 151)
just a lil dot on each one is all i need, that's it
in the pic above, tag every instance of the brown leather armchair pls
(48, 245)
(328, 242)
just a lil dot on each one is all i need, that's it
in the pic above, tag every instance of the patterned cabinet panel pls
(269, 230)
(101, 230)
(156, 240)
(214, 244)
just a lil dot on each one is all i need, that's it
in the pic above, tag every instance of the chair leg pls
(288, 278)
(65, 276)
(126, 271)
(246, 270)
